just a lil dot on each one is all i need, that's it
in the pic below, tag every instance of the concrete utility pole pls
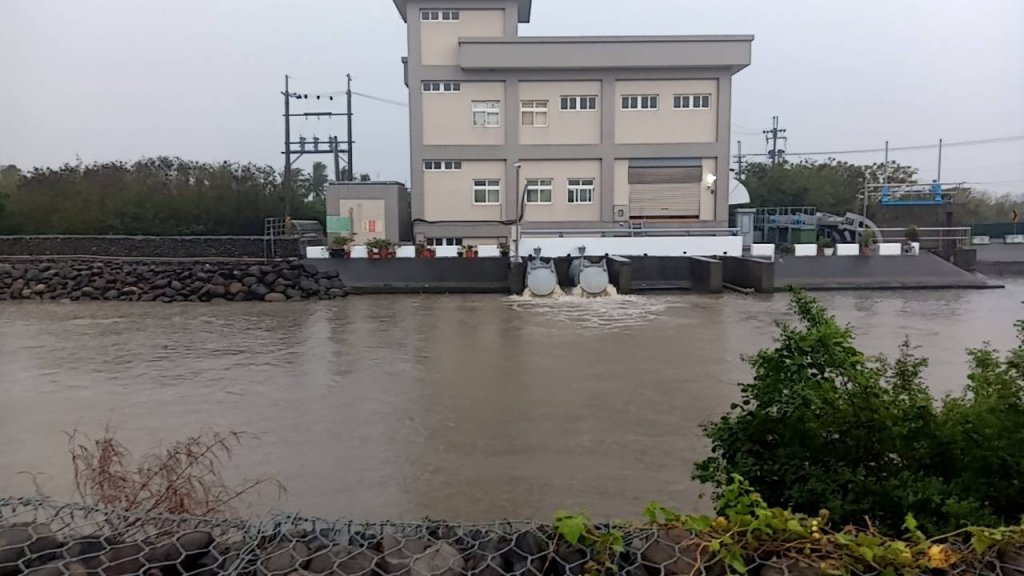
(772, 137)
(287, 148)
(739, 159)
(348, 97)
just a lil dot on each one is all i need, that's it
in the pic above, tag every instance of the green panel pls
(339, 224)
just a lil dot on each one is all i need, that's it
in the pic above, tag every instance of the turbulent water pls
(468, 407)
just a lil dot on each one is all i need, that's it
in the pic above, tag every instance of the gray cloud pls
(119, 79)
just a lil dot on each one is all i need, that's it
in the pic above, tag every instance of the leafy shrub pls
(824, 426)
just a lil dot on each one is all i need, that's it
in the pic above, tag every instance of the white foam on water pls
(608, 311)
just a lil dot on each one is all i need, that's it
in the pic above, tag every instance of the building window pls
(535, 112)
(448, 87)
(640, 102)
(486, 191)
(691, 101)
(444, 241)
(442, 165)
(439, 15)
(579, 103)
(487, 113)
(538, 191)
(581, 191)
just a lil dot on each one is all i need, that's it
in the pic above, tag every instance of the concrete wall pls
(180, 247)
(706, 275)
(448, 117)
(665, 125)
(439, 40)
(559, 172)
(450, 194)
(753, 273)
(564, 126)
(416, 275)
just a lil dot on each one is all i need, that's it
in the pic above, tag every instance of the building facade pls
(562, 133)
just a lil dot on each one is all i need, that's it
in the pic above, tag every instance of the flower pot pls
(340, 253)
(426, 253)
(468, 253)
(866, 250)
(828, 251)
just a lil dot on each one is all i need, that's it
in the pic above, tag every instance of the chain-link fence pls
(45, 538)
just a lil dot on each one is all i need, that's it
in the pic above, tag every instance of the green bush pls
(822, 425)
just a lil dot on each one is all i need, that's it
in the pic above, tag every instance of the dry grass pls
(182, 479)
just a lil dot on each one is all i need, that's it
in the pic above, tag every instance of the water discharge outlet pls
(541, 277)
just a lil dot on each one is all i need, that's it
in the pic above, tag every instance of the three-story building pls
(562, 133)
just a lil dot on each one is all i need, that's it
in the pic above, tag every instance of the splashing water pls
(608, 311)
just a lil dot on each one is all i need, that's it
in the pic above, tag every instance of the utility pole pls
(938, 177)
(773, 136)
(293, 150)
(739, 159)
(337, 160)
(348, 98)
(287, 148)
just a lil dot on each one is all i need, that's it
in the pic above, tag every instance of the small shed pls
(368, 210)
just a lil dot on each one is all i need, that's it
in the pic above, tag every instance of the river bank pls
(166, 281)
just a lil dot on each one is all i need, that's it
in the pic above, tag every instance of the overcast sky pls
(122, 79)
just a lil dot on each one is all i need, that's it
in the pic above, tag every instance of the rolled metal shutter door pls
(664, 191)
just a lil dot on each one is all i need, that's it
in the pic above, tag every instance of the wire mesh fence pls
(45, 538)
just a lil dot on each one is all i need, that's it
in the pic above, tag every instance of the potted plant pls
(868, 239)
(424, 251)
(340, 247)
(826, 246)
(786, 249)
(467, 251)
(380, 248)
(503, 249)
(912, 234)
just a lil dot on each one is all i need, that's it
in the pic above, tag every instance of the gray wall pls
(753, 273)
(183, 247)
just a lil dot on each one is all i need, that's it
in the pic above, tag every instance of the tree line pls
(162, 196)
(836, 187)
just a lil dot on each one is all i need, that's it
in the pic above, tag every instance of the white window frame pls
(442, 165)
(432, 15)
(538, 186)
(435, 86)
(534, 108)
(491, 109)
(444, 242)
(693, 101)
(487, 186)
(640, 102)
(575, 103)
(576, 186)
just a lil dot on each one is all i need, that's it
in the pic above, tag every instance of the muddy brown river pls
(461, 407)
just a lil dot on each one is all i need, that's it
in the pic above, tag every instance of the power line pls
(381, 99)
(997, 140)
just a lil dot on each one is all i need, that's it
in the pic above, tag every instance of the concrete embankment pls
(166, 281)
(926, 271)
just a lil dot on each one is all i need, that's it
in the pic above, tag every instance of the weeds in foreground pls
(182, 479)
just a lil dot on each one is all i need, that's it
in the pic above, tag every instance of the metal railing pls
(956, 237)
